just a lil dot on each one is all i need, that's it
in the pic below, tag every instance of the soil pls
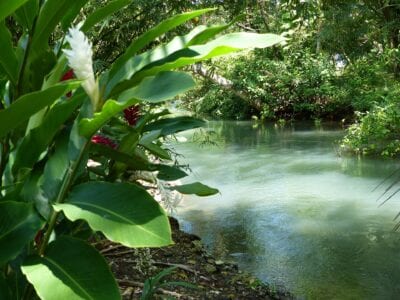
(210, 278)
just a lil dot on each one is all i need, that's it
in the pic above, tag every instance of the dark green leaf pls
(70, 15)
(134, 162)
(8, 59)
(19, 224)
(40, 137)
(71, 269)
(26, 14)
(5, 293)
(173, 125)
(170, 172)
(125, 213)
(26, 106)
(7, 7)
(196, 188)
(156, 150)
(49, 17)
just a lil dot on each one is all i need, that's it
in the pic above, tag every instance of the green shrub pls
(376, 133)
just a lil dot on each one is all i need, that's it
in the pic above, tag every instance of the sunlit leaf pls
(124, 212)
(71, 269)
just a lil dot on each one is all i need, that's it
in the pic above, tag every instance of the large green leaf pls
(163, 86)
(196, 188)
(8, 59)
(168, 126)
(26, 14)
(155, 149)
(70, 15)
(40, 137)
(199, 34)
(51, 13)
(101, 13)
(18, 225)
(26, 106)
(7, 7)
(71, 269)
(153, 33)
(187, 56)
(125, 213)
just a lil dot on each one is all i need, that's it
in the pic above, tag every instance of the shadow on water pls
(294, 213)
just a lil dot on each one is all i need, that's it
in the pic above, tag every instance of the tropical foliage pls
(74, 143)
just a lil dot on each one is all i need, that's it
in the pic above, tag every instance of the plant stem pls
(65, 187)
(3, 158)
(21, 74)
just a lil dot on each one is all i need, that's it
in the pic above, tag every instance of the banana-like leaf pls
(40, 137)
(125, 213)
(168, 126)
(7, 7)
(222, 45)
(100, 14)
(8, 59)
(19, 224)
(71, 269)
(153, 33)
(26, 106)
(195, 188)
(161, 87)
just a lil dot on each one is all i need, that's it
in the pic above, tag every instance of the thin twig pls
(111, 248)
(180, 266)
(129, 251)
(131, 283)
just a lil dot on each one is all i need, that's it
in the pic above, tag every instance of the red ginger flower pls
(132, 114)
(98, 139)
(67, 76)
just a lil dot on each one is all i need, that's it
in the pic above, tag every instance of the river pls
(293, 212)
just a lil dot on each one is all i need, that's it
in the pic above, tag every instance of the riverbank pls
(213, 278)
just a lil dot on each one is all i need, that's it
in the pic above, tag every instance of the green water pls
(294, 213)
